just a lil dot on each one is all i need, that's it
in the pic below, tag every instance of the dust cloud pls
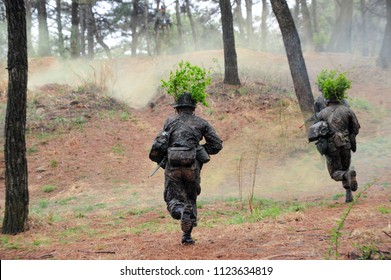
(288, 166)
(133, 80)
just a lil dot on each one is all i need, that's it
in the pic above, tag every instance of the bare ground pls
(92, 152)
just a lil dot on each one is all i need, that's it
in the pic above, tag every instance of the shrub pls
(333, 85)
(188, 78)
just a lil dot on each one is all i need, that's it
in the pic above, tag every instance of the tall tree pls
(179, 25)
(43, 35)
(16, 176)
(295, 57)
(238, 18)
(384, 59)
(29, 25)
(265, 13)
(61, 48)
(146, 29)
(134, 22)
(314, 16)
(90, 24)
(249, 22)
(96, 31)
(364, 45)
(83, 29)
(74, 45)
(340, 40)
(231, 75)
(192, 24)
(309, 43)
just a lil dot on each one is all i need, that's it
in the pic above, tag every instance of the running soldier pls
(344, 127)
(184, 161)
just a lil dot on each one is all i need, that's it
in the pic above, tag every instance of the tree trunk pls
(309, 43)
(179, 26)
(74, 46)
(29, 25)
(61, 48)
(95, 30)
(43, 34)
(231, 75)
(296, 12)
(384, 59)
(146, 28)
(249, 22)
(90, 22)
(295, 57)
(364, 45)
(192, 24)
(238, 14)
(340, 40)
(314, 16)
(83, 29)
(133, 27)
(16, 176)
(265, 13)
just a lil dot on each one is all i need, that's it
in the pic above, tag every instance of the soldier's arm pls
(354, 124)
(213, 143)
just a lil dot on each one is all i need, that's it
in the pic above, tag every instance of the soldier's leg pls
(334, 166)
(186, 238)
(174, 194)
(350, 175)
(191, 178)
(337, 169)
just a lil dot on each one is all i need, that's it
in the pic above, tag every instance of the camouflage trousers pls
(338, 163)
(182, 186)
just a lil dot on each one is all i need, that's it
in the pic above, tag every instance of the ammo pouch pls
(339, 139)
(202, 155)
(181, 156)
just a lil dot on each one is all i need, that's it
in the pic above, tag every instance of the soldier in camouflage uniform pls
(182, 183)
(344, 127)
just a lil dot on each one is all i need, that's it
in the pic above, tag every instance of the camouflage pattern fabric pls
(342, 122)
(182, 183)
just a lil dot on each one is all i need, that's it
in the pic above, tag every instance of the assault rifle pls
(161, 164)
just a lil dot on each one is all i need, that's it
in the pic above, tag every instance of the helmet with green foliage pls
(185, 100)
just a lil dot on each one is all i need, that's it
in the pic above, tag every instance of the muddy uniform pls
(320, 104)
(182, 183)
(344, 127)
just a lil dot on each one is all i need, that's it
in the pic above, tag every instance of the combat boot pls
(186, 238)
(351, 178)
(187, 218)
(349, 196)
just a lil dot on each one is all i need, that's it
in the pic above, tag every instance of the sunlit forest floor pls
(267, 195)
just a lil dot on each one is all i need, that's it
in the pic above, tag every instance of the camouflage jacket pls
(340, 119)
(188, 130)
(320, 104)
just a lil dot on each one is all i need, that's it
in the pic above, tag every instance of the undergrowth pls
(336, 232)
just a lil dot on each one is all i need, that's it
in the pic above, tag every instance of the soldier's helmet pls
(185, 100)
(333, 99)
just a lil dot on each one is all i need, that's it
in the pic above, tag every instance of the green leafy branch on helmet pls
(333, 85)
(188, 78)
